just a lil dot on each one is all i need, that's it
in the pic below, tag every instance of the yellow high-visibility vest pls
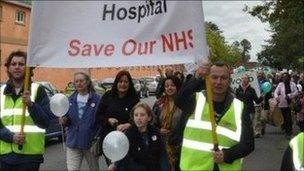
(297, 146)
(197, 143)
(11, 114)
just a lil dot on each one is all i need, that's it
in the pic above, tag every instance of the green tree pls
(286, 20)
(220, 50)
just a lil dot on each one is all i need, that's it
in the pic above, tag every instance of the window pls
(20, 17)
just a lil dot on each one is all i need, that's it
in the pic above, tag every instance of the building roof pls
(22, 3)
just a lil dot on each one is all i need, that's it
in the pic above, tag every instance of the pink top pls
(280, 95)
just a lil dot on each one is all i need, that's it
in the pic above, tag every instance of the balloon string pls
(63, 141)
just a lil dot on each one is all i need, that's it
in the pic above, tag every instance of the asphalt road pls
(266, 156)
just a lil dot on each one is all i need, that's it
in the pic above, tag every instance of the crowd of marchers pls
(174, 134)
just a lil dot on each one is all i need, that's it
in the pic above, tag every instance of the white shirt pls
(81, 102)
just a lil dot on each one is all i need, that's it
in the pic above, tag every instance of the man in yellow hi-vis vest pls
(22, 151)
(234, 128)
(293, 158)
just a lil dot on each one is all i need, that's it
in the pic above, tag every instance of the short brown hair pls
(10, 58)
(221, 64)
(13, 54)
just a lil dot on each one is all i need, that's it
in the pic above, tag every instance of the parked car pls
(54, 129)
(144, 88)
(69, 89)
(151, 82)
(137, 87)
(141, 87)
(99, 88)
(49, 88)
(108, 83)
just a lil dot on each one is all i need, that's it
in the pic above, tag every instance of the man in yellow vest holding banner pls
(293, 158)
(233, 125)
(22, 151)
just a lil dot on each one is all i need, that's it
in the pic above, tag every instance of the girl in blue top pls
(80, 122)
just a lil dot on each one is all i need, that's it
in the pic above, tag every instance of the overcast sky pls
(236, 24)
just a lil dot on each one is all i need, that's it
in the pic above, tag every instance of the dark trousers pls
(19, 167)
(287, 125)
(301, 125)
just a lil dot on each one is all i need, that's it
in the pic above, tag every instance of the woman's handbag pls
(96, 145)
(275, 117)
(95, 148)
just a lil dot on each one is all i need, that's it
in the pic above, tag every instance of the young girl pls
(147, 151)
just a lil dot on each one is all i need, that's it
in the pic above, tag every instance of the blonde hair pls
(145, 106)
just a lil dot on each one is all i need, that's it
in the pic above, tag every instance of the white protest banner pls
(236, 80)
(190, 68)
(81, 34)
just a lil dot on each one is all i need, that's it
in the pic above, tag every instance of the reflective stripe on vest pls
(11, 116)
(34, 88)
(197, 141)
(297, 146)
(27, 128)
(9, 112)
(201, 146)
(198, 123)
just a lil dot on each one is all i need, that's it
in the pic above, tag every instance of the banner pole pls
(25, 87)
(211, 113)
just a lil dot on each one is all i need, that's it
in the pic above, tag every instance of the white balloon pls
(59, 104)
(115, 146)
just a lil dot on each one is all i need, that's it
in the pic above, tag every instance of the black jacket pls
(142, 156)
(111, 106)
(247, 97)
(186, 101)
